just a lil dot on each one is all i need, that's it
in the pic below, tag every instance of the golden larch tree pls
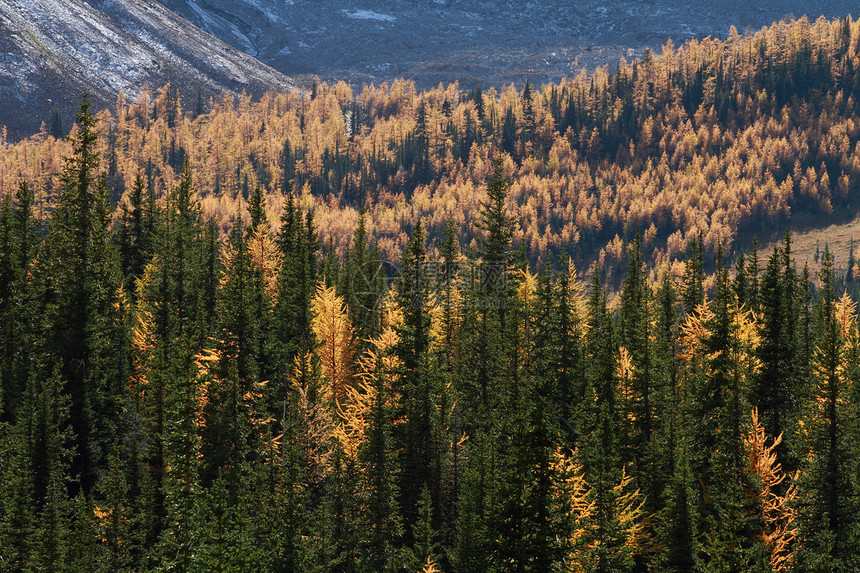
(334, 331)
(777, 508)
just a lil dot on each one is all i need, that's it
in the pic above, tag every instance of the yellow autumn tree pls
(575, 497)
(777, 509)
(846, 315)
(334, 331)
(576, 299)
(143, 339)
(572, 496)
(632, 517)
(443, 320)
(317, 421)
(350, 430)
(624, 372)
(380, 355)
(349, 389)
(694, 331)
(430, 567)
(267, 257)
(380, 351)
(746, 341)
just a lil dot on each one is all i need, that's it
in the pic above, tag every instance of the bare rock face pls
(51, 51)
(486, 42)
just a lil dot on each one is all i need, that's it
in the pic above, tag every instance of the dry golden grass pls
(837, 237)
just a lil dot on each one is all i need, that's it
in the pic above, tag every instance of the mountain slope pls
(489, 42)
(53, 50)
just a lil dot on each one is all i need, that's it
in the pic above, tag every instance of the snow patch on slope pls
(53, 50)
(368, 15)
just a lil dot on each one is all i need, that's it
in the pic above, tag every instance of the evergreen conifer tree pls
(362, 282)
(828, 527)
(693, 292)
(415, 396)
(78, 280)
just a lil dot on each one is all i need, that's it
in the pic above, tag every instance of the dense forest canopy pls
(209, 362)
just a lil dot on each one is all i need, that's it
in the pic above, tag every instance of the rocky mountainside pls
(488, 42)
(51, 51)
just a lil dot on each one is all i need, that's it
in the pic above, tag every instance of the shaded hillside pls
(51, 51)
(488, 43)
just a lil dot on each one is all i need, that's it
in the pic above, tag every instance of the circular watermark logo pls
(369, 283)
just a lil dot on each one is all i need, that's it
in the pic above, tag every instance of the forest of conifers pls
(330, 331)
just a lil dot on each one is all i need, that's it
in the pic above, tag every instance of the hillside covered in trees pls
(721, 138)
(346, 332)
